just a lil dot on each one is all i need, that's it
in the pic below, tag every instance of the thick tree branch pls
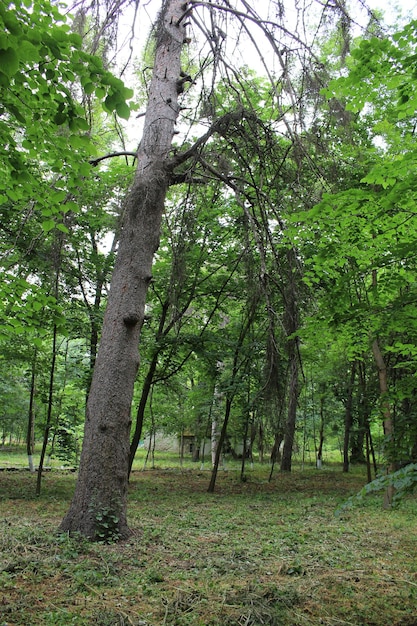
(219, 126)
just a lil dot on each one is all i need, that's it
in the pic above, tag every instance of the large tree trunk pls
(98, 509)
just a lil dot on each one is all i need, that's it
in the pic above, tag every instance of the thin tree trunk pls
(348, 418)
(57, 261)
(319, 461)
(245, 449)
(214, 437)
(368, 457)
(291, 323)
(372, 449)
(140, 414)
(229, 398)
(49, 412)
(293, 392)
(275, 452)
(30, 436)
(104, 465)
(261, 445)
(220, 443)
(146, 389)
(387, 416)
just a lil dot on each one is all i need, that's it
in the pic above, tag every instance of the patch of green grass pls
(252, 553)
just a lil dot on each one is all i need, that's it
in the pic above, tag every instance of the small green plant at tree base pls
(403, 481)
(106, 523)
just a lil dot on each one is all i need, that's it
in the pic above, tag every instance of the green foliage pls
(44, 136)
(358, 241)
(382, 67)
(334, 180)
(106, 522)
(14, 400)
(403, 481)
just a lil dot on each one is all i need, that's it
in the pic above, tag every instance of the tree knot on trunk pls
(131, 319)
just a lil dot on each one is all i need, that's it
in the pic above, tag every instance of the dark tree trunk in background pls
(140, 414)
(275, 452)
(30, 435)
(57, 266)
(348, 418)
(387, 416)
(319, 461)
(49, 413)
(101, 490)
(220, 444)
(293, 393)
(291, 324)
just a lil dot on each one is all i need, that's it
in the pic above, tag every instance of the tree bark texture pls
(293, 394)
(100, 500)
(348, 418)
(291, 324)
(387, 415)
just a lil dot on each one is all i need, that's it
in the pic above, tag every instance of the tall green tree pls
(363, 258)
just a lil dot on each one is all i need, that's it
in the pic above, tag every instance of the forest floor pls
(253, 553)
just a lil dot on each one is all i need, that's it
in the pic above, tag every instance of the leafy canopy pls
(44, 76)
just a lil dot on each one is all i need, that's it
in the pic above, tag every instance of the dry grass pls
(253, 553)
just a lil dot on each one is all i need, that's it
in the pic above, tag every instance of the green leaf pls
(79, 141)
(127, 93)
(17, 114)
(60, 118)
(37, 306)
(58, 196)
(48, 225)
(111, 102)
(84, 169)
(9, 61)
(123, 110)
(12, 24)
(79, 123)
(12, 194)
(75, 39)
(100, 92)
(28, 52)
(89, 88)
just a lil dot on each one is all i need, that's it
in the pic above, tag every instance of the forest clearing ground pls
(252, 553)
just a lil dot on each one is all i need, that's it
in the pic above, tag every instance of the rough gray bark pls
(98, 508)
